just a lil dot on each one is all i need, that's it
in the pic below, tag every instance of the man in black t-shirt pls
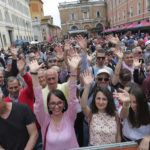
(17, 128)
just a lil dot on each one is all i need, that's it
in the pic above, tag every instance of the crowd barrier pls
(116, 146)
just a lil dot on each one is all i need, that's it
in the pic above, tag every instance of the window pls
(113, 3)
(85, 15)
(1, 17)
(117, 2)
(98, 14)
(124, 14)
(111, 20)
(72, 16)
(4, 39)
(131, 11)
(139, 8)
(74, 28)
(118, 17)
(110, 4)
(114, 19)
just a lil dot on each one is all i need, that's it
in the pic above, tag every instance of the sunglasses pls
(52, 61)
(147, 70)
(101, 79)
(59, 61)
(140, 53)
(101, 58)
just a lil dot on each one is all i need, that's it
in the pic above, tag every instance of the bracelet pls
(126, 107)
(33, 73)
(23, 74)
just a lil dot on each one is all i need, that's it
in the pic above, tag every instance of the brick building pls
(121, 12)
(82, 16)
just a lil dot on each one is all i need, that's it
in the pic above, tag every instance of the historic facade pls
(36, 9)
(82, 16)
(15, 22)
(42, 24)
(121, 12)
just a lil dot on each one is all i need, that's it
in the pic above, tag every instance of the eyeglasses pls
(53, 104)
(147, 70)
(101, 58)
(59, 61)
(52, 61)
(101, 79)
(140, 53)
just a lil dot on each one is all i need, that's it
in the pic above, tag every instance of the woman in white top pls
(103, 120)
(135, 114)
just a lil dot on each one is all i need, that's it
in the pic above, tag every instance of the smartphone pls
(141, 60)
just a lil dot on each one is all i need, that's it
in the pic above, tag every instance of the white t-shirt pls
(134, 133)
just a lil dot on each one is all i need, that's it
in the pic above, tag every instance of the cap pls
(131, 41)
(148, 42)
(103, 70)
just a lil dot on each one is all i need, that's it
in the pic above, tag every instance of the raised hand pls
(60, 55)
(21, 65)
(87, 77)
(123, 97)
(119, 54)
(144, 145)
(137, 64)
(34, 66)
(74, 62)
(67, 45)
(82, 42)
(113, 39)
(13, 51)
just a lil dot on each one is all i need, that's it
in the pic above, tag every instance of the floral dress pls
(103, 129)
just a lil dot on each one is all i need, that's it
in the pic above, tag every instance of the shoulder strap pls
(44, 146)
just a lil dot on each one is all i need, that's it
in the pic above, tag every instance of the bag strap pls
(44, 146)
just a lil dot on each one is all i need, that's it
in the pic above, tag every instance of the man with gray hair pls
(138, 53)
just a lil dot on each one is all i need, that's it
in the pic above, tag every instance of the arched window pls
(98, 13)
(74, 28)
(72, 16)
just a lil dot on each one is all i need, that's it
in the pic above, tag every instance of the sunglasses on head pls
(101, 58)
(101, 79)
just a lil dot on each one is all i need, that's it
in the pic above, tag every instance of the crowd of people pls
(76, 92)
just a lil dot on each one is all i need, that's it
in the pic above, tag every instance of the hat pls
(103, 70)
(148, 42)
(131, 41)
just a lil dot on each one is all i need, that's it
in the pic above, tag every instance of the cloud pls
(51, 8)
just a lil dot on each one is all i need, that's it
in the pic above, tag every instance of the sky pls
(51, 8)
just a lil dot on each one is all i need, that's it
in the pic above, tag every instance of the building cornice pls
(89, 4)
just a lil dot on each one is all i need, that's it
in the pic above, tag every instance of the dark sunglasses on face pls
(140, 53)
(52, 61)
(147, 70)
(101, 58)
(101, 79)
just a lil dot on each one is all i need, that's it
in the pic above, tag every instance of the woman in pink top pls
(59, 123)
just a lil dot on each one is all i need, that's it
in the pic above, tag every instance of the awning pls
(132, 25)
